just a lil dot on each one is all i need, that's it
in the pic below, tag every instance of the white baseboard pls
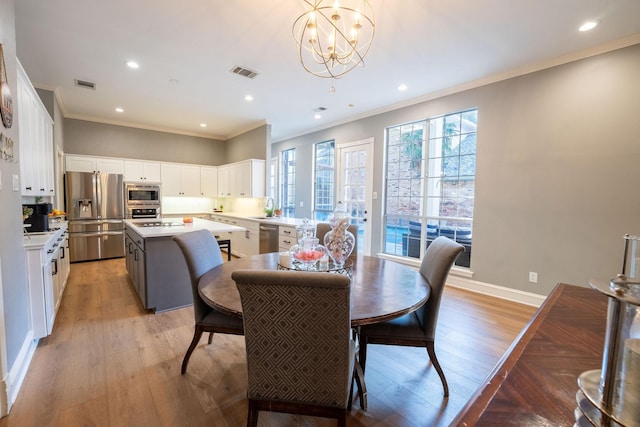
(508, 294)
(10, 386)
(461, 278)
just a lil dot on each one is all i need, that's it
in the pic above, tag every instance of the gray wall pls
(249, 145)
(99, 139)
(557, 169)
(14, 281)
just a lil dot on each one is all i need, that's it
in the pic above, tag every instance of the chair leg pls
(353, 380)
(362, 353)
(194, 342)
(342, 419)
(362, 387)
(252, 415)
(210, 338)
(434, 360)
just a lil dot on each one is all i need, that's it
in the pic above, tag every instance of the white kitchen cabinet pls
(224, 188)
(140, 171)
(35, 130)
(209, 181)
(246, 179)
(180, 180)
(47, 272)
(286, 237)
(77, 163)
(246, 243)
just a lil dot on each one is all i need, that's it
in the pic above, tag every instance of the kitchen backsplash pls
(182, 205)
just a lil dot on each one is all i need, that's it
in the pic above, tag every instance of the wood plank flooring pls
(111, 363)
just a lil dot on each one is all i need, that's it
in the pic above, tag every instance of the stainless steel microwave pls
(139, 194)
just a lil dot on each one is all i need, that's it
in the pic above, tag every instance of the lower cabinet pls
(47, 273)
(135, 262)
(245, 243)
(287, 238)
(158, 272)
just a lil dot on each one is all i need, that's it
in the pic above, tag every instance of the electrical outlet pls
(301, 204)
(533, 277)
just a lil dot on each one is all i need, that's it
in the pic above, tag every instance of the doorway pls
(354, 182)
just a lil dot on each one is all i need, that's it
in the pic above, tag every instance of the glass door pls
(355, 181)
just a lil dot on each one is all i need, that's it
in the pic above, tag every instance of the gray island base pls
(156, 266)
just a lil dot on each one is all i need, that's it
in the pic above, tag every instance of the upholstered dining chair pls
(323, 228)
(418, 329)
(300, 356)
(202, 253)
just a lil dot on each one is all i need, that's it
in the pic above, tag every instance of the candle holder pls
(610, 396)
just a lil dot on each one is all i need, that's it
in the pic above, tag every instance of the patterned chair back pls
(297, 332)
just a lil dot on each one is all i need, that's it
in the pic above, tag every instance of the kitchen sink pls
(263, 217)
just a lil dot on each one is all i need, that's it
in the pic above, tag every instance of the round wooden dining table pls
(381, 290)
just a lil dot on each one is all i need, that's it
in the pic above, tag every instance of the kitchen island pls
(156, 265)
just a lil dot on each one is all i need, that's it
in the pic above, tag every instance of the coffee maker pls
(39, 219)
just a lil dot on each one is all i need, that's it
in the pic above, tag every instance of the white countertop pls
(39, 240)
(172, 227)
(269, 220)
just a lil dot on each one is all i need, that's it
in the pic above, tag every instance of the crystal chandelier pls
(333, 38)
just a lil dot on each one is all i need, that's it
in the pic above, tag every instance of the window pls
(271, 185)
(288, 182)
(430, 184)
(324, 177)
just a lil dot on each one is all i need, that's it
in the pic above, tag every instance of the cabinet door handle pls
(55, 266)
(62, 253)
(135, 255)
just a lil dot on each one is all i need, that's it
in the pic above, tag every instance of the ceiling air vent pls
(244, 72)
(85, 84)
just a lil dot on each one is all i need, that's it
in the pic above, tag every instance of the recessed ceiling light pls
(119, 110)
(589, 25)
(402, 87)
(203, 125)
(133, 64)
(248, 98)
(317, 116)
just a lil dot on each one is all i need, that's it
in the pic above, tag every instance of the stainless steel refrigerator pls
(95, 210)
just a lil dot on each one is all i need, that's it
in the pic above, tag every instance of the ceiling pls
(187, 48)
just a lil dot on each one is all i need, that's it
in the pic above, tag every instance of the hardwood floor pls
(111, 363)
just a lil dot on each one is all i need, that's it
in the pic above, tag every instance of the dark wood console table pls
(535, 383)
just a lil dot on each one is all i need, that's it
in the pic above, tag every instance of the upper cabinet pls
(140, 171)
(209, 181)
(180, 180)
(242, 179)
(35, 133)
(75, 163)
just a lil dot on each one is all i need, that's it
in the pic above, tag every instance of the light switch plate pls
(16, 182)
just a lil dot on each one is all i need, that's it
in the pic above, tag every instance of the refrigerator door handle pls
(97, 190)
(98, 221)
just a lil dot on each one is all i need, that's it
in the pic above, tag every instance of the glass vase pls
(306, 254)
(339, 243)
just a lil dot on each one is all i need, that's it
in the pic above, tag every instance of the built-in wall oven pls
(142, 200)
